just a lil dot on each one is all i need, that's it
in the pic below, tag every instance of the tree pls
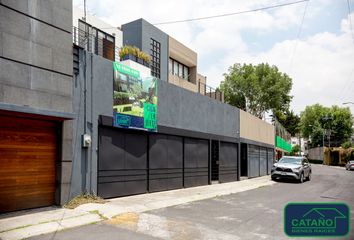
(257, 89)
(289, 120)
(317, 121)
(295, 150)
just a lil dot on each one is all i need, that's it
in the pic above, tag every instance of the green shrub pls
(134, 51)
(347, 144)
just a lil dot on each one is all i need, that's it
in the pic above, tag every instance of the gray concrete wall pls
(36, 67)
(132, 33)
(316, 153)
(96, 76)
(206, 115)
(139, 33)
(36, 57)
(181, 108)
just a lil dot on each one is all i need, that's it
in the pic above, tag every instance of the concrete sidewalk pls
(29, 223)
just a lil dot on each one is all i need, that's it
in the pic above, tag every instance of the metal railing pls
(210, 92)
(95, 44)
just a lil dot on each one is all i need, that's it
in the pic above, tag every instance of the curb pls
(93, 212)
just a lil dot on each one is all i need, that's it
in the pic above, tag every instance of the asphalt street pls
(254, 214)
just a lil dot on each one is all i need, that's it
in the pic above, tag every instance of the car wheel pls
(309, 177)
(274, 179)
(301, 180)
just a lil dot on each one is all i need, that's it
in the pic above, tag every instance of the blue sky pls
(320, 62)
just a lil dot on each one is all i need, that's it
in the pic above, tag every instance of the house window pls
(175, 68)
(179, 69)
(155, 52)
(96, 41)
(185, 72)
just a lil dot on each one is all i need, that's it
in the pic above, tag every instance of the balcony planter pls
(129, 57)
(141, 61)
(133, 53)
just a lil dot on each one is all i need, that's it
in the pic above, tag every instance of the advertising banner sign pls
(134, 99)
(331, 219)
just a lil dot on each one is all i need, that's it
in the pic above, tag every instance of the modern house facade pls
(36, 69)
(112, 128)
(171, 60)
(150, 40)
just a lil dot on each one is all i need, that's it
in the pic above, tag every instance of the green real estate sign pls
(126, 70)
(282, 144)
(134, 99)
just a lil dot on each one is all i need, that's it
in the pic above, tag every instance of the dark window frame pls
(178, 67)
(97, 34)
(155, 52)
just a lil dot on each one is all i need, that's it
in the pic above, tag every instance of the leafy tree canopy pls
(295, 150)
(257, 89)
(289, 120)
(316, 119)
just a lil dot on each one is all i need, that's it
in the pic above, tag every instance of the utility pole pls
(85, 10)
(328, 133)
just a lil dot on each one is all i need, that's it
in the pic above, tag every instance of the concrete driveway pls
(253, 214)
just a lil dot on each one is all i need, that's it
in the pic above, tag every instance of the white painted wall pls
(144, 71)
(78, 13)
(296, 141)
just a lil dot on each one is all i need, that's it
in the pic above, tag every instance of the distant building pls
(96, 36)
(282, 140)
(302, 142)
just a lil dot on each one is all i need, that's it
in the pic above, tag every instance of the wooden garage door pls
(27, 163)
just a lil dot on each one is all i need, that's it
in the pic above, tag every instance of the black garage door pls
(165, 162)
(263, 161)
(253, 160)
(270, 159)
(122, 164)
(196, 158)
(228, 162)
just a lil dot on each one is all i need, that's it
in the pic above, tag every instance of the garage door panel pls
(135, 150)
(111, 147)
(27, 163)
(122, 163)
(110, 189)
(190, 152)
(158, 152)
(175, 153)
(228, 162)
(263, 161)
(253, 160)
(165, 162)
(23, 202)
(196, 159)
(203, 154)
(270, 159)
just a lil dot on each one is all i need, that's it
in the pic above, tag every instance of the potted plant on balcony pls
(133, 53)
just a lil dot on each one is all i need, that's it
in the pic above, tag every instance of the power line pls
(231, 14)
(224, 15)
(298, 37)
(349, 19)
